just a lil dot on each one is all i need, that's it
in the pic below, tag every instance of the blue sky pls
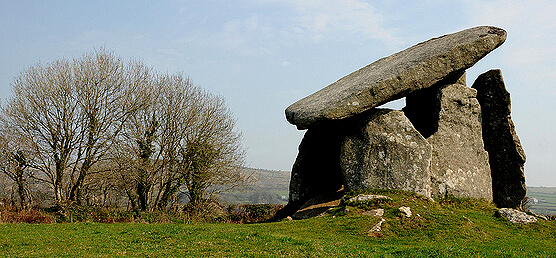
(262, 56)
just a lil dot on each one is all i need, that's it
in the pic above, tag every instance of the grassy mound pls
(430, 219)
(447, 228)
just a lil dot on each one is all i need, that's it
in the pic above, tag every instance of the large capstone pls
(384, 151)
(448, 115)
(506, 155)
(394, 77)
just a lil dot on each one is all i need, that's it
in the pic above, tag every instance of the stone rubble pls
(377, 227)
(374, 213)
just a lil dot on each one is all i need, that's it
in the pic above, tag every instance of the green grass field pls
(455, 228)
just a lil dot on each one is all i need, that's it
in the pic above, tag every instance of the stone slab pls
(396, 76)
(459, 166)
(319, 205)
(516, 217)
(385, 151)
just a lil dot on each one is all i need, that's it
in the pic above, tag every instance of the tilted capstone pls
(394, 77)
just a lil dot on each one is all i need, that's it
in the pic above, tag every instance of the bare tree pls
(147, 155)
(202, 146)
(212, 157)
(182, 105)
(70, 112)
(97, 126)
(109, 93)
(44, 112)
(186, 139)
(136, 154)
(14, 164)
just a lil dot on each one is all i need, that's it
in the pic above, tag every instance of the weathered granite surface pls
(459, 166)
(506, 155)
(384, 151)
(396, 76)
(367, 197)
(516, 217)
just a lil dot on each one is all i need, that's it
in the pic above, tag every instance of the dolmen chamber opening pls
(450, 140)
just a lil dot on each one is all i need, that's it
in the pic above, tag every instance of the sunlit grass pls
(451, 228)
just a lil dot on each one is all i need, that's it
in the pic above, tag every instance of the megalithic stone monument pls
(434, 147)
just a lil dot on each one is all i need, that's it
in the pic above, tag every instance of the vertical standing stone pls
(384, 151)
(316, 170)
(448, 115)
(506, 155)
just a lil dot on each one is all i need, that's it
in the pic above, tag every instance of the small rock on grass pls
(516, 217)
(406, 211)
(368, 197)
(375, 213)
(375, 230)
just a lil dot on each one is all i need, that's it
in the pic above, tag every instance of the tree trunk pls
(143, 189)
(75, 193)
(19, 177)
(21, 188)
(58, 195)
(143, 196)
(169, 190)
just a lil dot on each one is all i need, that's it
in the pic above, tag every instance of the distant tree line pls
(98, 130)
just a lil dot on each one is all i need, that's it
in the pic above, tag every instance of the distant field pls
(269, 186)
(543, 199)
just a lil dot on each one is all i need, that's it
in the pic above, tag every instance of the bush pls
(250, 213)
(30, 216)
(204, 212)
(78, 213)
